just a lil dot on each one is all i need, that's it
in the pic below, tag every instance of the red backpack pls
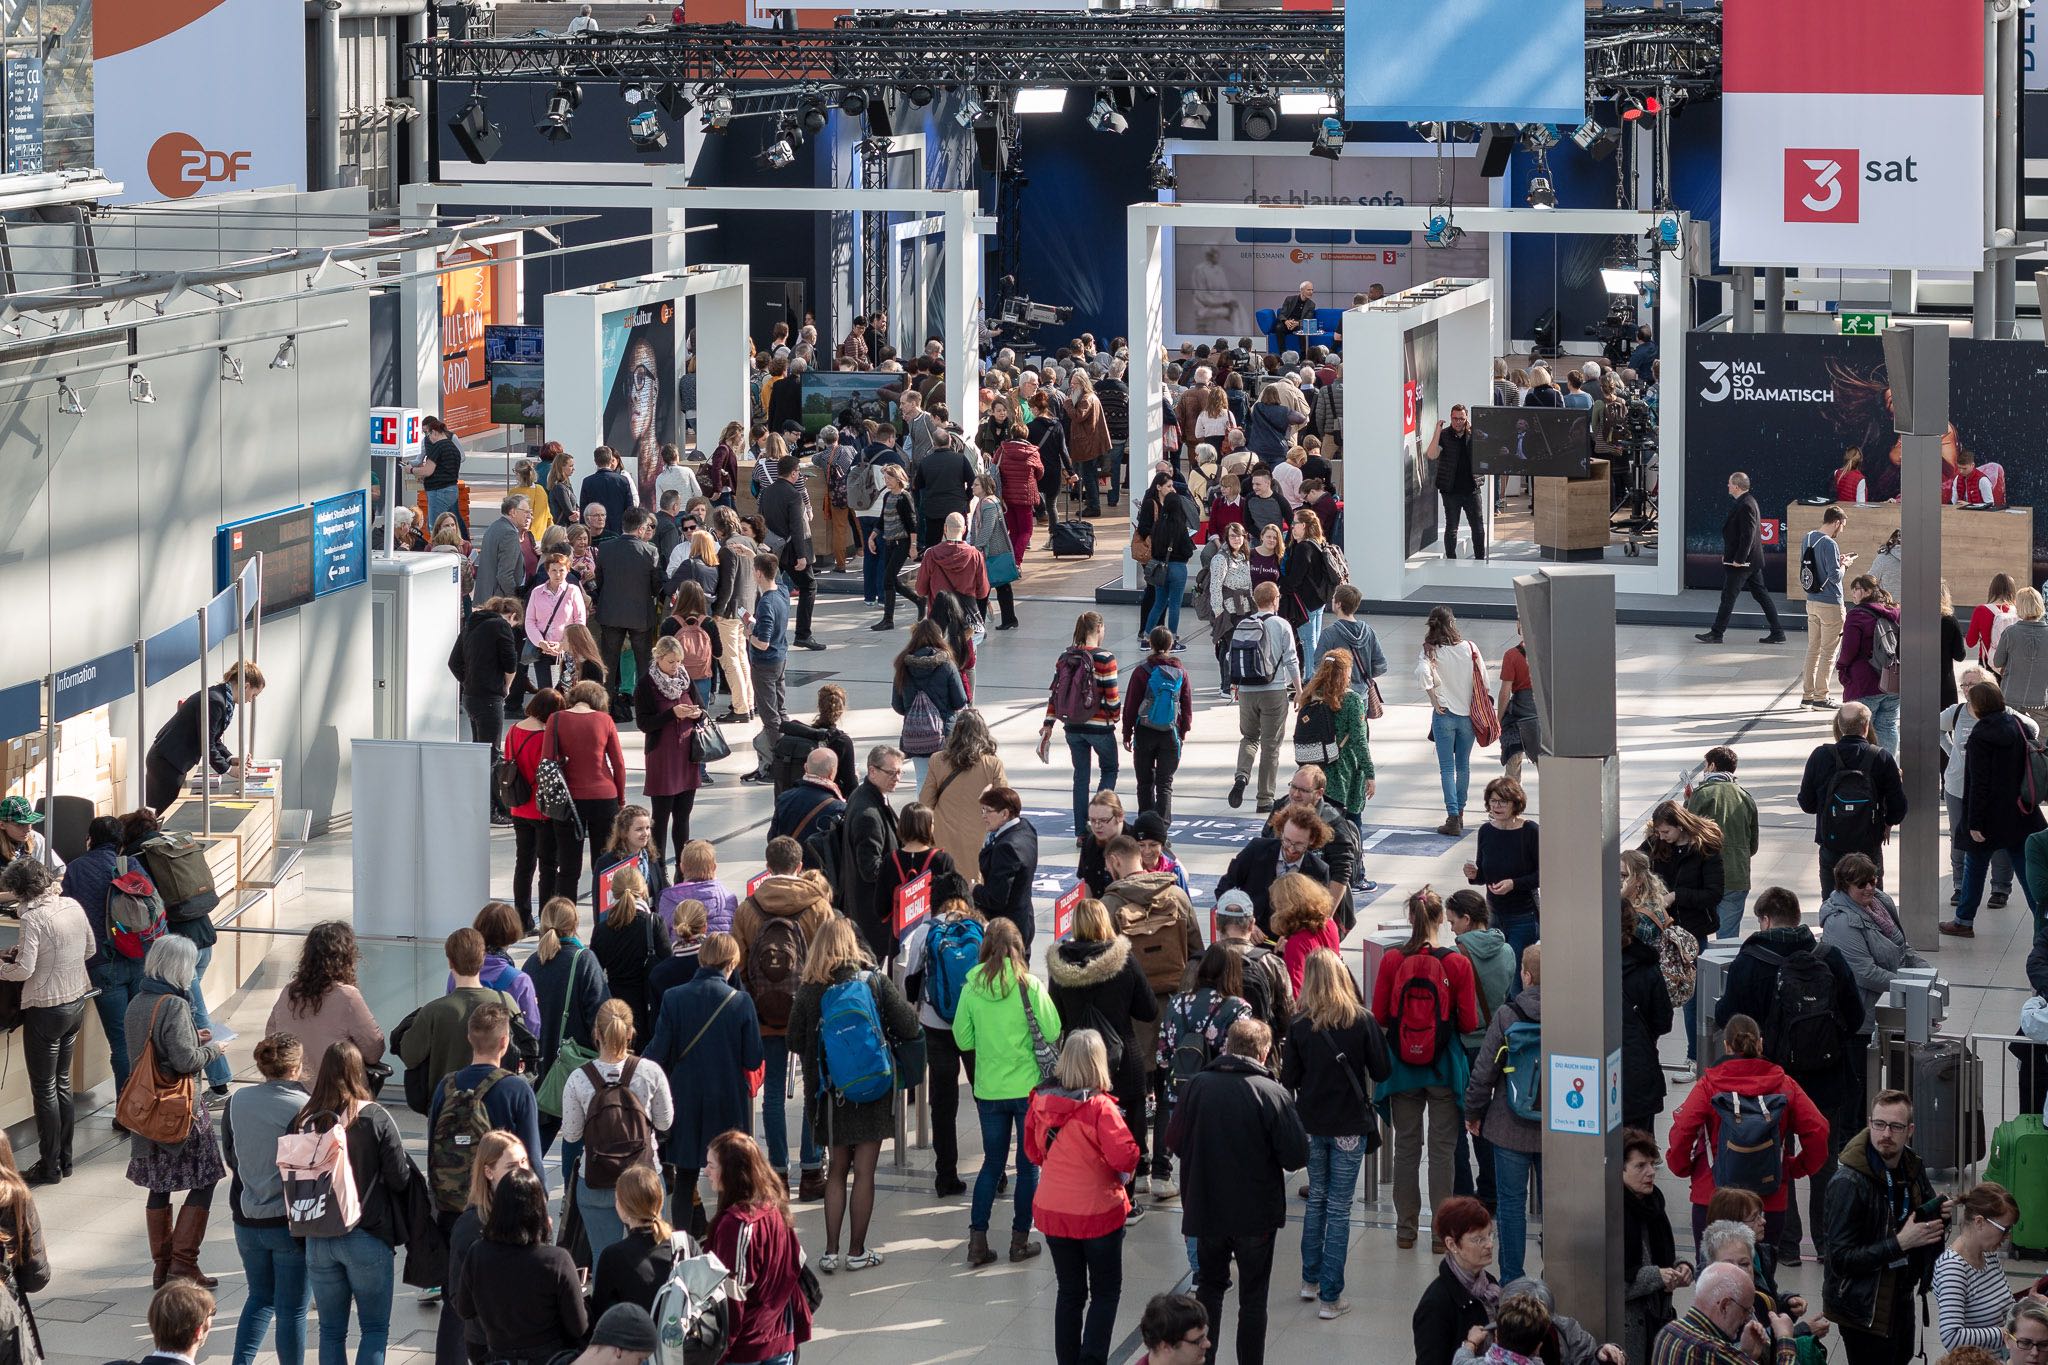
(1422, 1008)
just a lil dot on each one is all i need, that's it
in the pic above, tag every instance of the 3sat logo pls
(180, 165)
(1824, 184)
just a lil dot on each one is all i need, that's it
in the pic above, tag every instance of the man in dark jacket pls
(786, 507)
(484, 661)
(943, 484)
(1262, 862)
(869, 835)
(1752, 988)
(800, 809)
(1237, 1135)
(629, 583)
(1882, 1229)
(1450, 450)
(507, 555)
(1009, 862)
(1842, 826)
(177, 748)
(610, 489)
(1742, 564)
(1997, 812)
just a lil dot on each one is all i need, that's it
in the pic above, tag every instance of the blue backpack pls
(1162, 698)
(859, 1068)
(1522, 1067)
(950, 952)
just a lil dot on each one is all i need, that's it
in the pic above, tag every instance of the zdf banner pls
(1852, 133)
(194, 97)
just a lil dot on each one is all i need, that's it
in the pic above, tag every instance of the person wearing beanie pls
(623, 1336)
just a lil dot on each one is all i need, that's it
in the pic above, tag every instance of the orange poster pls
(469, 303)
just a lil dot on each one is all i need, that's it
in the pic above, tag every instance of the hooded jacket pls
(952, 566)
(1721, 799)
(1085, 1152)
(1859, 1238)
(1099, 984)
(1852, 665)
(1995, 786)
(1486, 1093)
(990, 1023)
(1645, 1017)
(1493, 970)
(1018, 470)
(1873, 953)
(804, 897)
(1693, 1127)
(933, 674)
(1237, 1134)
(1751, 988)
(486, 655)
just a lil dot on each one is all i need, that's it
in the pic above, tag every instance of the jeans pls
(1090, 1275)
(1308, 634)
(1167, 599)
(1511, 1170)
(47, 1035)
(441, 500)
(896, 554)
(1001, 1122)
(870, 564)
(1733, 903)
(601, 1222)
(1737, 578)
(275, 1263)
(218, 1072)
(1333, 1164)
(1254, 1253)
(1155, 757)
(942, 1074)
(486, 717)
(1977, 862)
(1453, 735)
(2001, 864)
(1520, 931)
(357, 1266)
(117, 977)
(774, 1118)
(1884, 720)
(1080, 744)
(1261, 717)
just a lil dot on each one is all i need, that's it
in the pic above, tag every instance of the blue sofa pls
(1329, 319)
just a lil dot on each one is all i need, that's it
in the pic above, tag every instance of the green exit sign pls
(1863, 324)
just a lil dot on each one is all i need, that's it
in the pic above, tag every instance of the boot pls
(185, 1240)
(1453, 825)
(1022, 1248)
(978, 1253)
(158, 1222)
(810, 1185)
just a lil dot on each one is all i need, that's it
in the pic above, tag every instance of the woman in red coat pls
(1697, 1125)
(1086, 1156)
(1019, 469)
(774, 1318)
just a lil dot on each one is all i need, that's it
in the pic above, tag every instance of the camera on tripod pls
(1617, 330)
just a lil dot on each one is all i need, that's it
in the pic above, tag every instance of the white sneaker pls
(1331, 1311)
(1163, 1187)
(1142, 1185)
(1308, 1291)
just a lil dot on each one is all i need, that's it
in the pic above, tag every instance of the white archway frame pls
(1369, 479)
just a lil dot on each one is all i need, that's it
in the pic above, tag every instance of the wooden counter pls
(1572, 514)
(1975, 543)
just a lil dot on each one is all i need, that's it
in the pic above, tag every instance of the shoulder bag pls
(1042, 1051)
(707, 742)
(153, 1105)
(1485, 722)
(570, 1055)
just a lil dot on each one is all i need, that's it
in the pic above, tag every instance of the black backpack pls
(1809, 567)
(1801, 1030)
(1849, 818)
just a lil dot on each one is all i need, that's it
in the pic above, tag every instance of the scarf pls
(670, 687)
(1646, 1232)
(1480, 1283)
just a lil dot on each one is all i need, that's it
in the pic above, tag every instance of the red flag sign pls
(756, 880)
(913, 902)
(1063, 910)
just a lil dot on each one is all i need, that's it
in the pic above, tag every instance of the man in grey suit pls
(501, 559)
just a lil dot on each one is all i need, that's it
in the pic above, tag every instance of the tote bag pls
(1485, 723)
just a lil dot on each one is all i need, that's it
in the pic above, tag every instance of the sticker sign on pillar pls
(913, 903)
(1063, 910)
(1575, 1094)
(1614, 1090)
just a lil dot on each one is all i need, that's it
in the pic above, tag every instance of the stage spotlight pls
(853, 101)
(633, 92)
(780, 150)
(810, 112)
(1258, 115)
(139, 390)
(643, 130)
(919, 94)
(67, 400)
(1329, 139)
(1635, 109)
(1429, 132)
(971, 108)
(1542, 194)
(716, 103)
(1587, 134)
(1104, 118)
(283, 359)
(1194, 110)
(474, 132)
(1160, 175)
(674, 101)
(1041, 99)
(562, 103)
(230, 368)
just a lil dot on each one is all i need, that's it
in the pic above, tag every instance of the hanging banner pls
(189, 96)
(471, 303)
(1485, 61)
(1852, 134)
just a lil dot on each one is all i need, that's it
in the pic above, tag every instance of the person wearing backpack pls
(774, 1317)
(358, 1266)
(707, 1037)
(775, 926)
(1746, 1125)
(2001, 809)
(1335, 1053)
(1157, 721)
(1191, 1031)
(473, 1100)
(89, 880)
(1097, 983)
(189, 916)
(273, 1260)
(1819, 568)
(846, 1023)
(613, 1107)
(936, 962)
(1264, 673)
(1084, 698)
(1853, 790)
(1423, 997)
(1503, 1104)
(1332, 718)
(1008, 1021)
(927, 691)
(1868, 660)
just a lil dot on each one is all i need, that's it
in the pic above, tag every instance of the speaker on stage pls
(1496, 141)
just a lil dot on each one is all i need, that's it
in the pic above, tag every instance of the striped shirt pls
(1971, 1305)
(1107, 704)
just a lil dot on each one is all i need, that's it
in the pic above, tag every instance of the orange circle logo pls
(1297, 255)
(180, 165)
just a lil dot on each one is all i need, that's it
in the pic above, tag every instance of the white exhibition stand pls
(421, 836)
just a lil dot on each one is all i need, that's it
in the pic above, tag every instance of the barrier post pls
(205, 736)
(242, 658)
(50, 765)
(141, 755)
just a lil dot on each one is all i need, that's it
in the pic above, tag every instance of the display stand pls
(1571, 515)
(422, 836)
(1984, 540)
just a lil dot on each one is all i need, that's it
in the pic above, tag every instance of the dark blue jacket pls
(86, 880)
(551, 983)
(510, 1103)
(707, 1074)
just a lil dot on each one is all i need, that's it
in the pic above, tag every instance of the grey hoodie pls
(1874, 956)
(253, 1120)
(1493, 964)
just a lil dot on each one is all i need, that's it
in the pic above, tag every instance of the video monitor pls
(834, 397)
(1546, 442)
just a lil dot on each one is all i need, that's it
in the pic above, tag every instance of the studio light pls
(230, 369)
(853, 101)
(971, 108)
(1329, 139)
(1429, 132)
(1296, 103)
(1623, 279)
(474, 132)
(674, 101)
(67, 400)
(139, 390)
(919, 94)
(633, 92)
(1542, 194)
(644, 131)
(1160, 175)
(1104, 118)
(780, 149)
(1586, 134)
(1041, 99)
(1441, 231)
(1258, 115)
(1634, 109)
(1194, 110)
(562, 104)
(810, 112)
(283, 359)
(716, 103)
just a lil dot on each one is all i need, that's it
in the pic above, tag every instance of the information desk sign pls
(95, 683)
(913, 903)
(341, 542)
(1063, 912)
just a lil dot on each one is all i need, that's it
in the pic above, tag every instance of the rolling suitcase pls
(1073, 538)
(1947, 1078)
(2019, 1161)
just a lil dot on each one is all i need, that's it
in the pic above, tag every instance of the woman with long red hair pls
(774, 1318)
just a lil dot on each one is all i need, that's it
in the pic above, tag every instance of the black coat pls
(784, 507)
(1254, 870)
(869, 831)
(708, 1080)
(1008, 866)
(628, 954)
(1696, 878)
(944, 483)
(1995, 786)
(486, 655)
(1645, 1017)
(1100, 984)
(1237, 1135)
(1742, 532)
(1952, 652)
(177, 744)
(1884, 777)
(1443, 1315)
(629, 579)
(1751, 987)
(551, 995)
(1860, 1242)
(1169, 522)
(1331, 1103)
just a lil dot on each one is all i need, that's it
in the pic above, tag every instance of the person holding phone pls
(1883, 1229)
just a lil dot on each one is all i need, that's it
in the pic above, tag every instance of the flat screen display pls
(285, 540)
(1546, 442)
(830, 395)
(516, 389)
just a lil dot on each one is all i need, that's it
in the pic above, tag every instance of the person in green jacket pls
(2036, 872)
(1720, 798)
(1493, 968)
(1002, 1016)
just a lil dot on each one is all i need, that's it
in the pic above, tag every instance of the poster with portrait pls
(638, 366)
(1419, 416)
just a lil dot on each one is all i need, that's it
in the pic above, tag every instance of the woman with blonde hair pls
(1096, 983)
(568, 988)
(708, 1037)
(965, 766)
(599, 1171)
(524, 473)
(688, 922)
(497, 1152)
(1302, 922)
(851, 1130)
(1082, 1204)
(629, 941)
(1335, 1053)
(698, 880)
(732, 601)
(1004, 1013)
(634, 1268)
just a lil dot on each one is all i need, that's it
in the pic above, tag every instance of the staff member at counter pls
(177, 748)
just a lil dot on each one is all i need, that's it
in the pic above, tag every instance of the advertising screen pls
(1418, 415)
(1546, 442)
(639, 383)
(285, 540)
(516, 392)
(514, 343)
(832, 396)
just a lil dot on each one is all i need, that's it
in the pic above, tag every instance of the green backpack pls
(459, 1126)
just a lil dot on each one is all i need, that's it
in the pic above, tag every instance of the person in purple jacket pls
(499, 924)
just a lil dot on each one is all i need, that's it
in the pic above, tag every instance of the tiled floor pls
(923, 1307)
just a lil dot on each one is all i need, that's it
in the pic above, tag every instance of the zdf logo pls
(180, 167)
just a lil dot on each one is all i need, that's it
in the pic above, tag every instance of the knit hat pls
(1149, 826)
(626, 1326)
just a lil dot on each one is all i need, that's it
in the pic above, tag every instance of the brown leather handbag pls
(153, 1105)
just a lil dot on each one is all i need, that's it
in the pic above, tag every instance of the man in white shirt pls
(582, 23)
(677, 475)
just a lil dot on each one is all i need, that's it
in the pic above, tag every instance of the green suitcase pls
(2019, 1161)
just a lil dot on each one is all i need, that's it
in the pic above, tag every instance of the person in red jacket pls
(1086, 1156)
(1696, 1128)
(1018, 469)
(774, 1318)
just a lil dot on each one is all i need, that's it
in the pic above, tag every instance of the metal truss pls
(1653, 51)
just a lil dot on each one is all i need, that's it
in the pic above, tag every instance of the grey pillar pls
(1905, 292)
(1744, 292)
(1916, 357)
(1568, 624)
(1774, 299)
(2006, 268)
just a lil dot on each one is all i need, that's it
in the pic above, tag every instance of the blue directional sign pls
(341, 542)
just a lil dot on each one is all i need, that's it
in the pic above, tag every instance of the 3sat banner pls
(1794, 411)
